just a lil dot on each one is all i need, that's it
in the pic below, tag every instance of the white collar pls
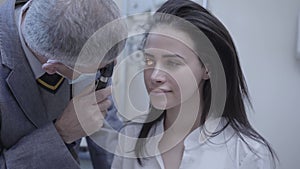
(201, 135)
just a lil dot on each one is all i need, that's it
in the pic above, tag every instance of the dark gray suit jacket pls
(28, 138)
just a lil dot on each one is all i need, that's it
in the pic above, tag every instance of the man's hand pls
(84, 114)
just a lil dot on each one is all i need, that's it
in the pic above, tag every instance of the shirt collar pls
(204, 135)
(34, 63)
(201, 135)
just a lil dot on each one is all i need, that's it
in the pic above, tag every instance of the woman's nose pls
(158, 76)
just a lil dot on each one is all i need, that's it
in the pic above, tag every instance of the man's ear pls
(51, 66)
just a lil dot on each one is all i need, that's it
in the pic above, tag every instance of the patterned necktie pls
(50, 82)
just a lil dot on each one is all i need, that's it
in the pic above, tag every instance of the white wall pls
(265, 33)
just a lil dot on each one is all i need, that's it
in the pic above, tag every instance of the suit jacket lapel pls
(20, 80)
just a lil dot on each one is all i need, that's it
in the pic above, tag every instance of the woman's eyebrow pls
(164, 56)
(148, 54)
(173, 55)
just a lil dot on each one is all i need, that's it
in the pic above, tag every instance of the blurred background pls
(265, 33)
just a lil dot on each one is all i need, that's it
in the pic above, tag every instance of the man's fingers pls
(104, 105)
(89, 89)
(103, 94)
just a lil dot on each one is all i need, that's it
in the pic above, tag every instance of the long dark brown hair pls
(237, 92)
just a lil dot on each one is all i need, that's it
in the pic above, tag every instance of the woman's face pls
(172, 71)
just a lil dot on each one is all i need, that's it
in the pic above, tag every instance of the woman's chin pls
(159, 105)
(162, 104)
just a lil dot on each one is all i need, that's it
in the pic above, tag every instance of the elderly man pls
(41, 44)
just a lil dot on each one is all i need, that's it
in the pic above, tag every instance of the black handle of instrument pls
(106, 73)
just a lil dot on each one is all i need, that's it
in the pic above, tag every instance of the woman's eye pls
(149, 62)
(173, 64)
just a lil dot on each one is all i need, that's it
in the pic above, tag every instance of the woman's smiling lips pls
(160, 91)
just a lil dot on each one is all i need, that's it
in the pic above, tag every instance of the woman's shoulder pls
(129, 135)
(243, 149)
(133, 127)
(246, 142)
(127, 139)
(248, 151)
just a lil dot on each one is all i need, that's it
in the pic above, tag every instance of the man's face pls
(68, 71)
(72, 72)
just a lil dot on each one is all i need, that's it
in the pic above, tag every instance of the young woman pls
(197, 117)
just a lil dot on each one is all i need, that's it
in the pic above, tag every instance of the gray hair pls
(59, 29)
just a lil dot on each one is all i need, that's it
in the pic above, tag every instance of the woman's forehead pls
(172, 33)
(166, 44)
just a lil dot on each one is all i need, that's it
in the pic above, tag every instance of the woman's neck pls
(179, 122)
(185, 117)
